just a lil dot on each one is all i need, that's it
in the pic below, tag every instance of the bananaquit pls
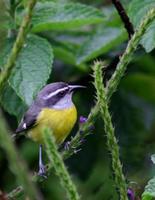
(53, 107)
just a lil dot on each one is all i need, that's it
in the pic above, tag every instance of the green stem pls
(16, 193)
(113, 82)
(4, 75)
(58, 164)
(84, 130)
(109, 130)
(18, 168)
(127, 56)
(112, 86)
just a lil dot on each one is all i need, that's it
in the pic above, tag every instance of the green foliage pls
(149, 192)
(137, 10)
(126, 57)
(145, 86)
(73, 34)
(36, 54)
(65, 51)
(57, 162)
(17, 166)
(15, 106)
(113, 147)
(100, 42)
(60, 16)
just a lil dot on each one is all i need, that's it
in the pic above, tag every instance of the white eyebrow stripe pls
(54, 93)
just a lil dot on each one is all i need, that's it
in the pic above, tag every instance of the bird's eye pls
(61, 93)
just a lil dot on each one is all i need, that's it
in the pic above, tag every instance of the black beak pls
(74, 87)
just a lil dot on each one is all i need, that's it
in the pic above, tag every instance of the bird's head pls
(58, 95)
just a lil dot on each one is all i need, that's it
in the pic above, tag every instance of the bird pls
(53, 108)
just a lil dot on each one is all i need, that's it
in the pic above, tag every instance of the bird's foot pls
(42, 171)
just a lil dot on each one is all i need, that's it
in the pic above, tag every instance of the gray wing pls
(31, 115)
(29, 119)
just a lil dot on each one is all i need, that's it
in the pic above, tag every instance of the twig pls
(18, 168)
(4, 75)
(109, 130)
(58, 164)
(128, 26)
(112, 86)
(122, 13)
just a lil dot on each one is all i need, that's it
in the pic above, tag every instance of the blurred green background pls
(132, 108)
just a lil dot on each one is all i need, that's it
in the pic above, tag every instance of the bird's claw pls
(42, 171)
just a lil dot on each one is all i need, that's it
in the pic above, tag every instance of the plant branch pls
(57, 162)
(85, 129)
(109, 130)
(17, 167)
(127, 55)
(113, 82)
(4, 75)
(123, 15)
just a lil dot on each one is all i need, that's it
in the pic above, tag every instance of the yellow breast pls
(60, 121)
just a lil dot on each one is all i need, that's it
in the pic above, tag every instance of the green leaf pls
(149, 193)
(5, 52)
(65, 46)
(137, 11)
(60, 16)
(32, 69)
(65, 52)
(101, 41)
(145, 63)
(75, 37)
(11, 102)
(133, 121)
(141, 85)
